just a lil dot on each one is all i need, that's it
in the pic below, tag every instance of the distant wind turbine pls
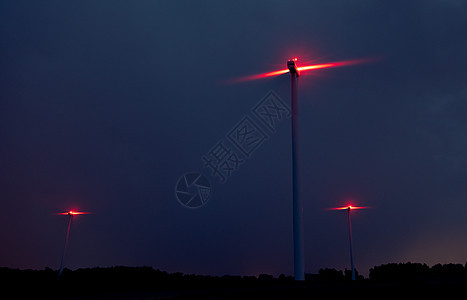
(348, 209)
(70, 214)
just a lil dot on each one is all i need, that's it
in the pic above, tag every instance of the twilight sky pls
(104, 105)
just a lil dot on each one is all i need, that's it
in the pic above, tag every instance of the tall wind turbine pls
(348, 209)
(70, 215)
(297, 207)
(294, 70)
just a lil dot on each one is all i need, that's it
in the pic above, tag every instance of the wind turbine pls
(297, 207)
(70, 214)
(294, 70)
(348, 209)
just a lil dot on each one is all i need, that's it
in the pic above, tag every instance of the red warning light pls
(349, 207)
(73, 213)
(305, 68)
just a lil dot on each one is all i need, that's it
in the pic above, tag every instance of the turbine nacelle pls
(292, 65)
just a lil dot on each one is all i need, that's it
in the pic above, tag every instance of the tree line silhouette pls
(120, 279)
(417, 272)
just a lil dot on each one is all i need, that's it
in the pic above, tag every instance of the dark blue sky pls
(105, 104)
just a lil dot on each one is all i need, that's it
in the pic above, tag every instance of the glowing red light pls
(349, 207)
(72, 213)
(260, 76)
(306, 68)
(316, 67)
